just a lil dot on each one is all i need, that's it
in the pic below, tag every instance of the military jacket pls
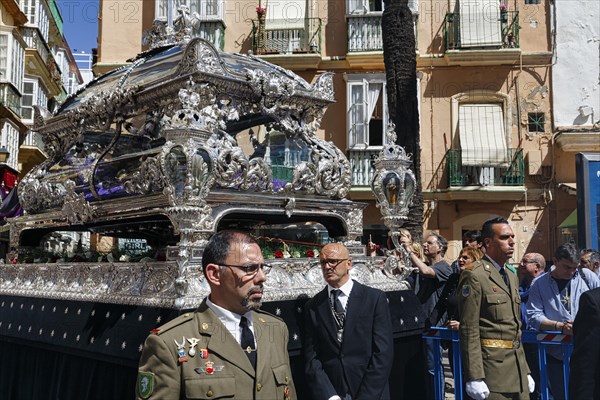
(490, 329)
(218, 367)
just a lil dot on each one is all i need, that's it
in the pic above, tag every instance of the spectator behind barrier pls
(553, 304)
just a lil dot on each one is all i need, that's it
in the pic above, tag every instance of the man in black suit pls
(584, 378)
(348, 345)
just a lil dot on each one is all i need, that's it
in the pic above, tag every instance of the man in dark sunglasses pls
(228, 347)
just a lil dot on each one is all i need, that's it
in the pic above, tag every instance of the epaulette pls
(173, 323)
(473, 266)
(269, 314)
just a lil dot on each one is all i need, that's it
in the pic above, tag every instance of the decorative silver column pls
(394, 185)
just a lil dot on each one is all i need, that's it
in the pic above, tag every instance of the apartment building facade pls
(487, 136)
(36, 69)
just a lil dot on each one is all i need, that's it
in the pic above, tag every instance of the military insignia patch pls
(466, 290)
(145, 384)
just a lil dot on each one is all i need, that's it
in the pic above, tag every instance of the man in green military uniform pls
(490, 327)
(227, 348)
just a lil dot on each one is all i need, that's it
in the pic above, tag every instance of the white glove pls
(530, 383)
(477, 390)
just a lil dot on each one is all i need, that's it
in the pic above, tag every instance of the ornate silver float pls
(184, 141)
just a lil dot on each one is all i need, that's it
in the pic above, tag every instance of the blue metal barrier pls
(541, 339)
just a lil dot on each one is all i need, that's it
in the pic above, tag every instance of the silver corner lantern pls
(394, 185)
(394, 182)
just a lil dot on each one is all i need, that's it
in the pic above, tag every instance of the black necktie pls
(505, 277)
(247, 342)
(335, 301)
(338, 312)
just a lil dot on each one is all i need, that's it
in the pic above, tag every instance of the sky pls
(80, 23)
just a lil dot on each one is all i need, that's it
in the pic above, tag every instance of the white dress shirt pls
(231, 320)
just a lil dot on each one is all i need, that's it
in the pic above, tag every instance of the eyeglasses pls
(524, 262)
(332, 262)
(251, 269)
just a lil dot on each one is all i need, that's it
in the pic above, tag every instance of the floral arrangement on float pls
(273, 248)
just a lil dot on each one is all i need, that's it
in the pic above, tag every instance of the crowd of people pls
(230, 348)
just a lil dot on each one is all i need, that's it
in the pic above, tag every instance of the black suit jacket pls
(361, 364)
(584, 377)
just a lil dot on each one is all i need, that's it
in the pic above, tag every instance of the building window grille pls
(535, 122)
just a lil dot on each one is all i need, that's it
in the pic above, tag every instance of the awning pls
(570, 221)
(570, 187)
(287, 15)
(482, 140)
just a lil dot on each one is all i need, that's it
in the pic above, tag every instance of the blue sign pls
(588, 200)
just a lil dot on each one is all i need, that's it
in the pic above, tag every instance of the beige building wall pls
(515, 76)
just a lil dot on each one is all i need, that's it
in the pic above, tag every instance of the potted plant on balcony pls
(261, 13)
(504, 13)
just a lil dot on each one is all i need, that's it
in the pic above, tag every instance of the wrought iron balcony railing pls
(511, 174)
(361, 163)
(35, 41)
(286, 36)
(479, 30)
(364, 33)
(10, 98)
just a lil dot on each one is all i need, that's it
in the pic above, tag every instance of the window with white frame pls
(37, 15)
(27, 101)
(210, 13)
(206, 9)
(366, 110)
(33, 94)
(4, 57)
(12, 55)
(18, 64)
(29, 8)
(364, 6)
(10, 140)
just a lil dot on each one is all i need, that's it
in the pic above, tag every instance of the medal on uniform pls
(286, 393)
(209, 367)
(203, 353)
(181, 350)
(193, 343)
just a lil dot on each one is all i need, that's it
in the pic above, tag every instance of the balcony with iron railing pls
(45, 65)
(281, 36)
(361, 165)
(35, 40)
(491, 174)
(364, 33)
(476, 31)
